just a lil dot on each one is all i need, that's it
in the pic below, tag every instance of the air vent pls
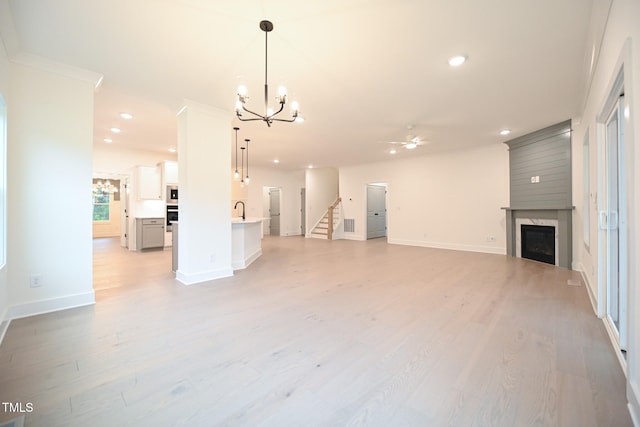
(349, 225)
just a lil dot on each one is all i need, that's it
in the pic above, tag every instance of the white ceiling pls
(362, 70)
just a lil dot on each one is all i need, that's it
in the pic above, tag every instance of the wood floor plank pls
(320, 333)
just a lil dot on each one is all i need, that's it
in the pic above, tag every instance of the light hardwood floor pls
(320, 333)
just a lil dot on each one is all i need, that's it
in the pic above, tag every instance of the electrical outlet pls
(491, 238)
(35, 281)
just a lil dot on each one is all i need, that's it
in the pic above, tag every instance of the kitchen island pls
(246, 241)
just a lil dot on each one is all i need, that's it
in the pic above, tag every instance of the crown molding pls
(45, 64)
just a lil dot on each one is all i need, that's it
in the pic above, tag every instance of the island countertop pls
(237, 220)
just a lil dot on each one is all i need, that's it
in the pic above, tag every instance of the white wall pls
(322, 189)
(622, 28)
(114, 160)
(50, 133)
(204, 238)
(4, 92)
(450, 200)
(290, 183)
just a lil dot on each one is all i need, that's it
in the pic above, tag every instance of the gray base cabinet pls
(149, 233)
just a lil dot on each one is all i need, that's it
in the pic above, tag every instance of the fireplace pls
(540, 195)
(556, 223)
(538, 242)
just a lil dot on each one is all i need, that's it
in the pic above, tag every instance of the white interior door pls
(274, 211)
(376, 211)
(612, 224)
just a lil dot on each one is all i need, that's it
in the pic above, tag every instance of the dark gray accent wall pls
(545, 154)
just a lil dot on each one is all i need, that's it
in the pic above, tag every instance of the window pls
(104, 192)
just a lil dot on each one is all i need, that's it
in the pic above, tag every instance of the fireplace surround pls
(558, 218)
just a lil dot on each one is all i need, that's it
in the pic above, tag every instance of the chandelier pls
(269, 115)
(101, 189)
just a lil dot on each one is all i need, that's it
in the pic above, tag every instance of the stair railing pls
(330, 217)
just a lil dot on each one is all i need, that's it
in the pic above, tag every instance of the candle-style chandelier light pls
(270, 114)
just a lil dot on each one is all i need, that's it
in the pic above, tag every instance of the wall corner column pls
(204, 156)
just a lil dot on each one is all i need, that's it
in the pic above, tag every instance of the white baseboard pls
(355, 237)
(450, 246)
(244, 263)
(594, 302)
(205, 276)
(633, 404)
(4, 325)
(49, 305)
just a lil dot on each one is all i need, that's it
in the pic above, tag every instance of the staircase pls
(329, 222)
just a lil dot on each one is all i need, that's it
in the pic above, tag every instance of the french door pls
(612, 224)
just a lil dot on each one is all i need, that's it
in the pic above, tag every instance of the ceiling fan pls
(411, 140)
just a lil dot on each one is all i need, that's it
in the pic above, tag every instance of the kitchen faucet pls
(236, 207)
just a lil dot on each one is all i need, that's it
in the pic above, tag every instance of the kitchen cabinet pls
(246, 244)
(149, 233)
(149, 183)
(171, 173)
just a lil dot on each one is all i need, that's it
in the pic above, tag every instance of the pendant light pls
(246, 179)
(242, 168)
(236, 175)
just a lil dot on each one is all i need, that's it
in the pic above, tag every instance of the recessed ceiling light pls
(505, 132)
(172, 150)
(276, 161)
(108, 140)
(456, 61)
(310, 166)
(392, 151)
(127, 116)
(115, 130)
(410, 145)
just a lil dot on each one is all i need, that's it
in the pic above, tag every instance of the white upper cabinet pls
(149, 183)
(171, 173)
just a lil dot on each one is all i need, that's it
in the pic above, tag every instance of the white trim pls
(246, 262)
(450, 246)
(50, 305)
(594, 303)
(615, 343)
(4, 326)
(8, 34)
(205, 276)
(633, 403)
(41, 63)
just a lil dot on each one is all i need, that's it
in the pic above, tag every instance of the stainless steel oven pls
(172, 194)
(172, 215)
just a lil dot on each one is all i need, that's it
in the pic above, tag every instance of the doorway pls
(612, 221)
(274, 211)
(124, 212)
(303, 211)
(376, 211)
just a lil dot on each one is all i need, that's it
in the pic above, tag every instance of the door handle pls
(376, 214)
(608, 220)
(602, 219)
